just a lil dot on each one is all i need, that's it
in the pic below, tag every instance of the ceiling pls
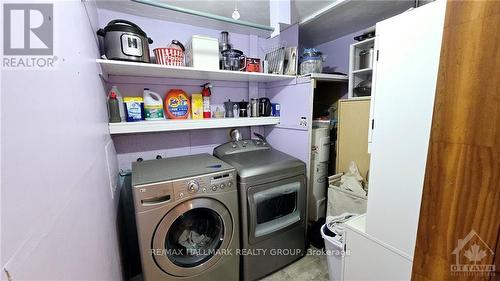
(256, 11)
(338, 17)
(347, 17)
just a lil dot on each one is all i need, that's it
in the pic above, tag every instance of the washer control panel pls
(207, 184)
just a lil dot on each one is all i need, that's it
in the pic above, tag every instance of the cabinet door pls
(361, 254)
(293, 134)
(409, 48)
(352, 135)
(371, 121)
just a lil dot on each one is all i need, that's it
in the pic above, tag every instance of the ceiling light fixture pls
(236, 14)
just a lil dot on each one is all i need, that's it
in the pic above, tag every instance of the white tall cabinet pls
(408, 47)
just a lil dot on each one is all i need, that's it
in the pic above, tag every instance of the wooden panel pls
(352, 142)
(462, 182)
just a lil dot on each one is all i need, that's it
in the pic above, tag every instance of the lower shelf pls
(189, 124)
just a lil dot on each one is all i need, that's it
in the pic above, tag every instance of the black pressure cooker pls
(124, 40)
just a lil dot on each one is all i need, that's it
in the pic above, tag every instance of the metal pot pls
(124, 40)
(366, 58)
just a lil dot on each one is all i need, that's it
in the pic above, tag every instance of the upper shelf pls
(125, 68)
(326, 77)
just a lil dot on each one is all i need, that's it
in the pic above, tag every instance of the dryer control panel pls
(149, 196)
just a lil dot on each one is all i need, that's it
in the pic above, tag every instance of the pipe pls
(203, 14)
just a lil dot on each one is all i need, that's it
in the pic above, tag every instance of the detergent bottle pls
(153, 106)
(119, 98)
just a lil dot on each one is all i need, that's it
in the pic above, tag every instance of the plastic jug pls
(153, 106)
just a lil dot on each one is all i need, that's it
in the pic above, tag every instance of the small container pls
(134, 108)
(217, 110)
(114, 109)
(254, 105)
(202, 53)
(252, 65)
(311, 61)
(196, 106)
(120, 102)
(177, 104)
(276, 109)
(153, 106)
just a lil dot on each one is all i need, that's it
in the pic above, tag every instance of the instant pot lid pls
(124, 26)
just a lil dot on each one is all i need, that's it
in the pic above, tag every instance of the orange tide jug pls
(177, 104)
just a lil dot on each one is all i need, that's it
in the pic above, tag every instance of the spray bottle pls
(206, 93)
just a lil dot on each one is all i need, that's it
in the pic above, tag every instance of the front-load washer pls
(186, 212)
(272, 190)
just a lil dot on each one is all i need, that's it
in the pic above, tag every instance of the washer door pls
(191, 236)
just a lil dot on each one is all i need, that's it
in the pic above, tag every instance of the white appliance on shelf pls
(202, 53)
(402, 104)
(320, 152)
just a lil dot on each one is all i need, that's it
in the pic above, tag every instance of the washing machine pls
(186, 211)
(272, 191)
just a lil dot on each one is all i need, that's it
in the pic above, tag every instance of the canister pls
(254, 104)
(276, 109)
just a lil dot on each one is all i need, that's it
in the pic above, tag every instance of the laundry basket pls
(341, 200)
(334, 247)
(169, 56)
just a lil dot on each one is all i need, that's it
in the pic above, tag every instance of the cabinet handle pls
(373, 124)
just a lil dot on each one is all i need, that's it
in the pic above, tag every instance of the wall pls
(147, 146)
(57, 211)
(337, 52)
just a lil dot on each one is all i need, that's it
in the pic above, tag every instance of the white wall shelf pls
(357, 75)
(188, 124)
(362, 71)
(124, 68)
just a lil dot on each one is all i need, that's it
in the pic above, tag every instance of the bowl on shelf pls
(364, 88)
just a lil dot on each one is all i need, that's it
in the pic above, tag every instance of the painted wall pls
(57, 209)
(337, 52)
(163, 32)
(148, 146)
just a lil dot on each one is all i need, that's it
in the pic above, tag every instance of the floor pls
(311, 267)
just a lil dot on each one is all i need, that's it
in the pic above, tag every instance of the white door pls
(409, 47)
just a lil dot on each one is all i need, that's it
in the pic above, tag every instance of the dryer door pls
(275, 207)
(190, 237)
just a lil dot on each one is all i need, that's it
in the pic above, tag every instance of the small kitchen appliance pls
(265, 107)
(124, 40)
(243, 106)
(229, 106)
(233, 59)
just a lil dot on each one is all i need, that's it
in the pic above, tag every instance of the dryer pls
(272, 193)
(186, 211)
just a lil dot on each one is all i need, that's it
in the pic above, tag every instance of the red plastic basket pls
(169, 56)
